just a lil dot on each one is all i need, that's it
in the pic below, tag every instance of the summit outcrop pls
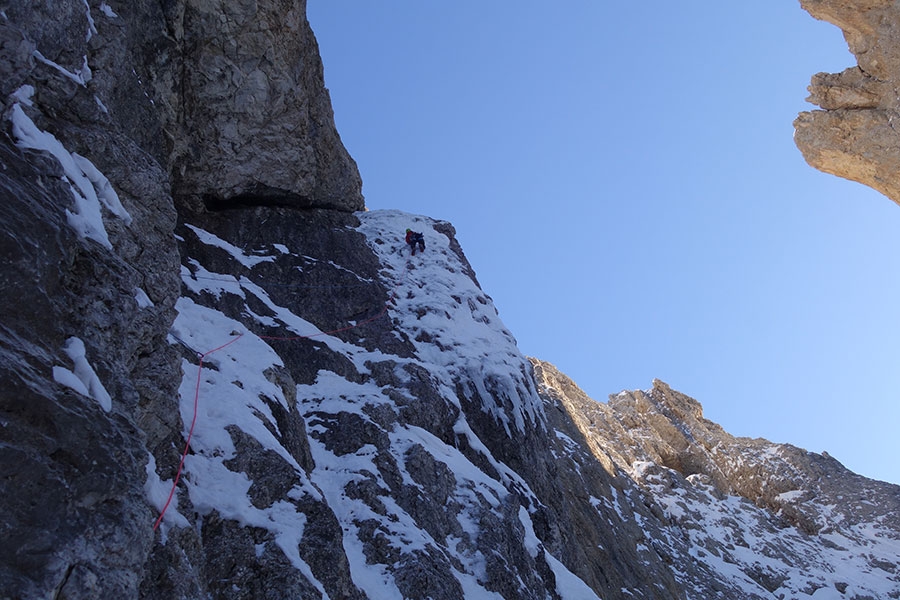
(855, 135)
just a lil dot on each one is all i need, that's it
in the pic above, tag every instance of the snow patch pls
(142, 299)
(67, 378)
(239, 255)
(82, 76)
(200, 280)
(791, 495)
(107, 11)
(105, 192)
(92, 28)
(568, 585)
(83, 379)
(232, 390)
(82, 176)
(23, 95)
(235, 391)
(157, 492)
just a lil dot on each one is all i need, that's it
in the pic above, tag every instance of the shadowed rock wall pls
(176, 104)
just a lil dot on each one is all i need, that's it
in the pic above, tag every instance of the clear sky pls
(622, 177)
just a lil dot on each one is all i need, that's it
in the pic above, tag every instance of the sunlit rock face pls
(732, 517)
(254, 124)
(854, 134)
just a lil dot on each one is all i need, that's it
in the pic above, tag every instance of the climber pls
(414, 238)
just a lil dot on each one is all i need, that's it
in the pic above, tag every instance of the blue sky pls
(624, 181)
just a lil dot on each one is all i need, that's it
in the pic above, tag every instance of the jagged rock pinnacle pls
(855, 134)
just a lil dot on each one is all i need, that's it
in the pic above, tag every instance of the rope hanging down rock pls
(238, 336)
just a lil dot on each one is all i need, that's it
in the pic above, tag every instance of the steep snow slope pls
(422, 504)
(367, 426)
(450, 320)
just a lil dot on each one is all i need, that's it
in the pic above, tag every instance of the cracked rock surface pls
(855, 134)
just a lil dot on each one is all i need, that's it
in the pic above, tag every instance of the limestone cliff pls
(219, 381)
(732, 517)
(227, 97)
(253, 121)
(854, 135)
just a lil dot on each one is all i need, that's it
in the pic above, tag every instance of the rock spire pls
(855, 134)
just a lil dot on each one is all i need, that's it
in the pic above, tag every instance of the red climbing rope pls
(187, 444)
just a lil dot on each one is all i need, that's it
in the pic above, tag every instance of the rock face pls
(228, 97)
(216, 381)
(733, 517)
(254, 123)
(97, 123)
(854, 135)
